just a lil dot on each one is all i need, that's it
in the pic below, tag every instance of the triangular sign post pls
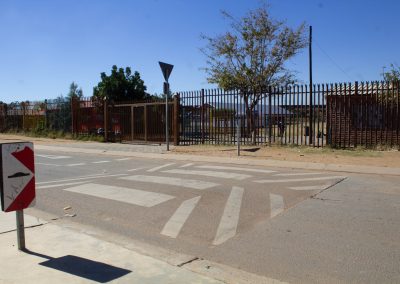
(166, 69)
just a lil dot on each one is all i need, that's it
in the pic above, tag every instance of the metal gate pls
(142, 122)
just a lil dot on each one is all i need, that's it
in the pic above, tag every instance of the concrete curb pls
(239, 161)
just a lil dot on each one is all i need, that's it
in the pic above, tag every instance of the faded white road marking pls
(311, 187)
(123, 194)
(133, 170)
(176, 222)
(298, 174)
(298, 179)
(160, 167)
(123, 159)
(53, 157)
(46, 164)
(209, 174)
(101, 162)
(230, 218)
(186, 165)
(189, 183)
(277, 205)
(77, 164)
(60, 184)
(235, 169)
(81, 178)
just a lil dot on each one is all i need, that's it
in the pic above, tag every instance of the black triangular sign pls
(166, 69)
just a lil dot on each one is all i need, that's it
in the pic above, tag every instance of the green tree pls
(74, 91)
(393, 75)
(252, 55)
(120, 85)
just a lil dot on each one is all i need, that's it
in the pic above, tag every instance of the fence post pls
(176, 119)
(269, 115)
(145, 122)
(45, 114)
(202, 116)
(72, 116)
(105, 118)
(23, 115)
(132, 123)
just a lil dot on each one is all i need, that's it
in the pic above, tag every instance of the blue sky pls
(47, 44)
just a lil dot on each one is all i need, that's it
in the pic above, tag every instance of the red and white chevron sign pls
(17, 176)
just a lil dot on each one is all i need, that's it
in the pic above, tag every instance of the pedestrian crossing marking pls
(298, 179)
(277, 204)
(230, 218)
(122, 194)
(187, 183)
(160, 167)
(178, 219)
(224, 175)
(235, 169)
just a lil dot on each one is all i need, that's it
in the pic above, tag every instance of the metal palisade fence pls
(339, 115)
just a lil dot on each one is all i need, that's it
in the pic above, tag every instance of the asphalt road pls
(287, 224)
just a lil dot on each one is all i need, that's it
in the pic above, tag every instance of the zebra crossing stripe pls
(187, 183)
(298, 179)
(209, 174)
(235, 169)
(176, 222)
(122, 194)
(230, 218)
(298, 174)
(276, 203)
(160, 167)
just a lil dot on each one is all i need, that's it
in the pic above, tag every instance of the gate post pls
(175, 126)
(202, 116)
(145, 122)
(105, 118)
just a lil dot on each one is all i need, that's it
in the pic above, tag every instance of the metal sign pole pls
(239, 125)
(20, 229)
(166, 70)
(166, 115)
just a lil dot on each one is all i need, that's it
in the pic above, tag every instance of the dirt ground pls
(301, 154)
(390, 158)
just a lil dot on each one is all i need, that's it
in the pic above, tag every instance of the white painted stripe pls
(160, 167)
(133, 170)
(59, 185)
(176, 222)
(298, 179)
(53, 157)
(100, 162)
(209, 174)
(312, 187)
(230, 218)
(123, 159)
(277, 205)
(74, 165)
(187, 165)
(81, 178)
(122, 194)
(188, 183)
(46, 164)
(235, 169)
(298, 174)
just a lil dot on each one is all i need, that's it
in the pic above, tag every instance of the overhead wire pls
(333, 61)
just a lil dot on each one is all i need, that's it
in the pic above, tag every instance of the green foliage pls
(393, 75)
(120, 85)
(252, 55)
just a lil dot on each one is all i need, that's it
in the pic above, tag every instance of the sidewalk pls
(61, 255)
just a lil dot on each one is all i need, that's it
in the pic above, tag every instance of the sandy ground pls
(390, 158)
(300, 154)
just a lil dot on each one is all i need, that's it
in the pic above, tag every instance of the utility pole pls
(311, 121)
